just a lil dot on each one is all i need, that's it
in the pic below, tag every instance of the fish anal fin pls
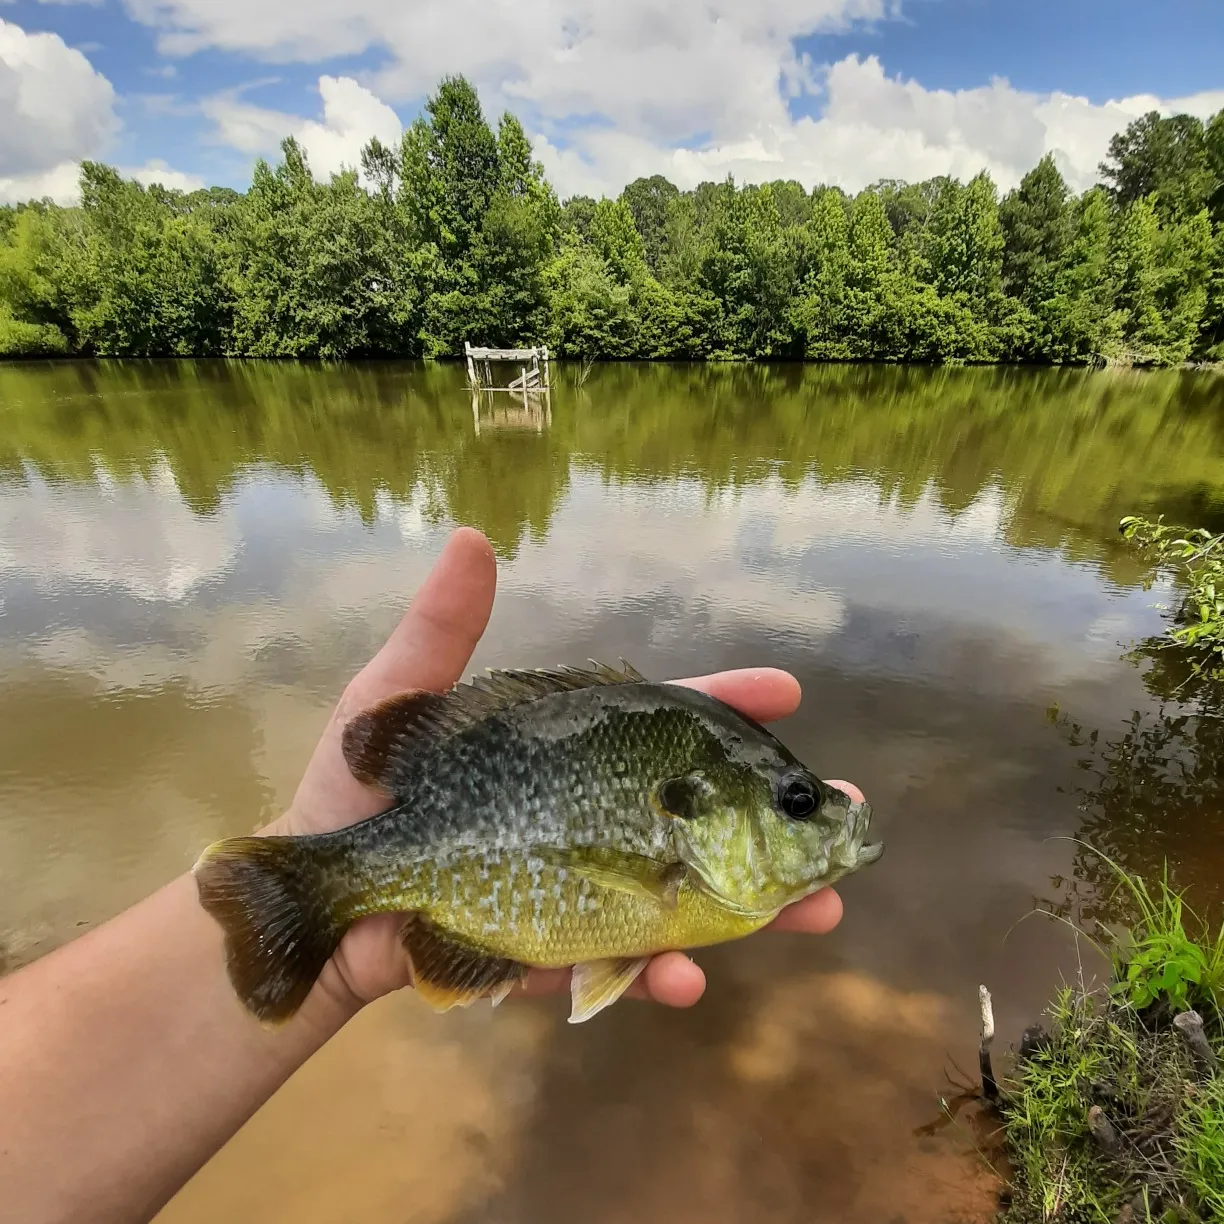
(597, 984)
(623, 871)
(446, 972)
(380, 742)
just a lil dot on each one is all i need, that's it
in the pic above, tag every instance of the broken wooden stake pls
(990, 1086)
(1104, 1131)
(1190, 1025)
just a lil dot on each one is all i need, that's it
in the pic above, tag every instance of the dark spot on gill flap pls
(379, 743)
(447, 972)
(685, 797)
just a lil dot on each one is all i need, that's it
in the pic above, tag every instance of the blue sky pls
(821, 90)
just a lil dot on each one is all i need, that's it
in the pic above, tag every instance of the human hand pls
(429, 649)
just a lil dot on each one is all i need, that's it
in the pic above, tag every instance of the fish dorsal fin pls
(379, 743)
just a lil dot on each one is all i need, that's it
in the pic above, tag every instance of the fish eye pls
(798, 798)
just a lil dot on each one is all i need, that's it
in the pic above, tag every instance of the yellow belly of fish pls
(556, 918)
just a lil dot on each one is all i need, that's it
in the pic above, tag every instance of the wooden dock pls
(532, 363)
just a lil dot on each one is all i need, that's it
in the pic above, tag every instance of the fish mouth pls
(869, 852)
(854, 850)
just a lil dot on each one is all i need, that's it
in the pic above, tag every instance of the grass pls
(1116, 1051)
(1201, 1148)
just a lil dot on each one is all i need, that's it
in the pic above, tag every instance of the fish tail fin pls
(270, 897)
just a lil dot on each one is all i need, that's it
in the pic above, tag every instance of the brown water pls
(194, 558)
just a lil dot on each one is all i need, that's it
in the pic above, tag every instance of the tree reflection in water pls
(1155, 794)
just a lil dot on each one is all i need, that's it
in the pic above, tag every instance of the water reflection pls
(195, 557)
(1071, 450)
(1153, 798)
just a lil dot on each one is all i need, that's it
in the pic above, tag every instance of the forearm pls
(126, 1062)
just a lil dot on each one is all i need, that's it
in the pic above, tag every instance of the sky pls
(191, 92)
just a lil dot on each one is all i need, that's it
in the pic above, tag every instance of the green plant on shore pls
(1195, 561)
(1156, 960)
(1200, 1147)
(1109, 1119)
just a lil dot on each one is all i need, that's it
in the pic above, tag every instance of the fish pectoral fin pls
(597, 984)
(446, 972)
(625, 872)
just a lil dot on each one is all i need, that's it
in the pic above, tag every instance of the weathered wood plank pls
(492, 354)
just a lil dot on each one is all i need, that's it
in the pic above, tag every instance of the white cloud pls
(62, 183)
(694, 89)
(351, 115)
(54, 106)
(59, 184)
(873, 126)
(156, 171)
(137, 536)
(56, 109)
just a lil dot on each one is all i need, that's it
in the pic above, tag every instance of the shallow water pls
(195, 557)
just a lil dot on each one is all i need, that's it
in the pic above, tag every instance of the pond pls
(194, 557)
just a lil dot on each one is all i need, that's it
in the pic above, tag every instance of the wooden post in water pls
(531, 377)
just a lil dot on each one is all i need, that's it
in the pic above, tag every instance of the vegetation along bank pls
(1115, 1109)
(457, 235)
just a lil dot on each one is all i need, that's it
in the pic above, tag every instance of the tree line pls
(456, 234)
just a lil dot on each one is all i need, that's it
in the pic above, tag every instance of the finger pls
(433, 642)
(546, 982)
(670, 978)
(849, 788)
(673, 979)
(814, 915)
(762, 693)
(428, 649)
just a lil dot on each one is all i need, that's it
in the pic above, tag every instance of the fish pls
(573, 817)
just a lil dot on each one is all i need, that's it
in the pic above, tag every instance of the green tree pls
(310, 275)
(793, 202)
(822, 312)
(449, 169)
(150, 280)
(1162, 276)
(576, 215)
(1211, 337)
(749, 267)
(1078, 321)
(615, 236)
(907, 205)
(1165, 157)
(964, 241)
(1213, 136)
(1036, 223)
(1187, 254)
(649, 201)
(35, 312)
(483, 221)
(878, 289)
(591, 311)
